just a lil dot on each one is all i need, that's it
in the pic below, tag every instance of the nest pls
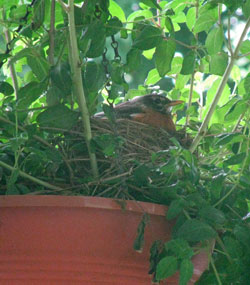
(118, 146)
(122, 150)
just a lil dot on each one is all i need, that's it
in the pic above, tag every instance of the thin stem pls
(25, 175)
(190, 97)
(215, 272)
(243, 55)
(158, 14)
(11, 65)
(52, 33)
(238, 122)
(229, 35)
(203, 128)
(78, 86)
(220, 242)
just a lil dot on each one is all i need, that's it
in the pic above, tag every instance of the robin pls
(154, 110)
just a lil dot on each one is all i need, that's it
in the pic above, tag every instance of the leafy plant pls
(61, 60)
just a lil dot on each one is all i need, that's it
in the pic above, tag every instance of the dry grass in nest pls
(117, 169)
(139, 141)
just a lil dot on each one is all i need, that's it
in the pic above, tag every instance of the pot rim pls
(80, 202)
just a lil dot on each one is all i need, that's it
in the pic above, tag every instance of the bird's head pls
(157, 103)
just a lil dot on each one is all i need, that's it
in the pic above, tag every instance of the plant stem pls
(203, 128)
(25, 175)
(215, 272)
(52, 33)
(78, 86)
(11, 65)
(190, 97)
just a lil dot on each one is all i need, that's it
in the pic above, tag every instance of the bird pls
(150, 109)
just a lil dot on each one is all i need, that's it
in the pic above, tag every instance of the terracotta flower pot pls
(78, 240)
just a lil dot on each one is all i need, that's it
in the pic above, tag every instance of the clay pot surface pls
(79, 240)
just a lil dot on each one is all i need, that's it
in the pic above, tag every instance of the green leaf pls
(218, 63)
(175, 208)
(186, 271)
(245, 47)
(166, 267)
(188, 64)
(117, 90)
(60, 76)
(133, 93)
(236, 74)
(238, 108)
(236, 159)
(134, 57)
(141, 174)
(247, 83)
(21, 54)
(114, 25)
(18, 12)
(212, 215)
(164, 55)
(242, 234)
(94, 76)
(39, 66)
(139, 240)
(214, 40)
(153, 77)
(233, 246)
(12, 190)
(6, 88)
(170, 166)
(4, 56)
(116, 11)
(29, 93)
(228, 138)
(117, 72)
(246, 9)
(137, 14)
(93, 39)
(107, 143)
(149, 53)
(194, 230)
(191, 18)
(176, 65)
(181, 81)
(180, 248)
(177, 5)
(53, 95)
(151, 3)
(148, 38)
(169, 25)
(39, 13)
(58, 116)
(206, 20)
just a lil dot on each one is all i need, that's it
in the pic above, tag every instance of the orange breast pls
(156, 119)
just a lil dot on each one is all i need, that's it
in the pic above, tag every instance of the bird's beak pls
(175, 102)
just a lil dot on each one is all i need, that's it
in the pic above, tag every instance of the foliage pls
(188, 48)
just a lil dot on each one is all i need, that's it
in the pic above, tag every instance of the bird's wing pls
(124, 110)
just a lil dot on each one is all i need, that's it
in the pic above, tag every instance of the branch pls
(203, 128)
(25, 175)
(78, 86)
